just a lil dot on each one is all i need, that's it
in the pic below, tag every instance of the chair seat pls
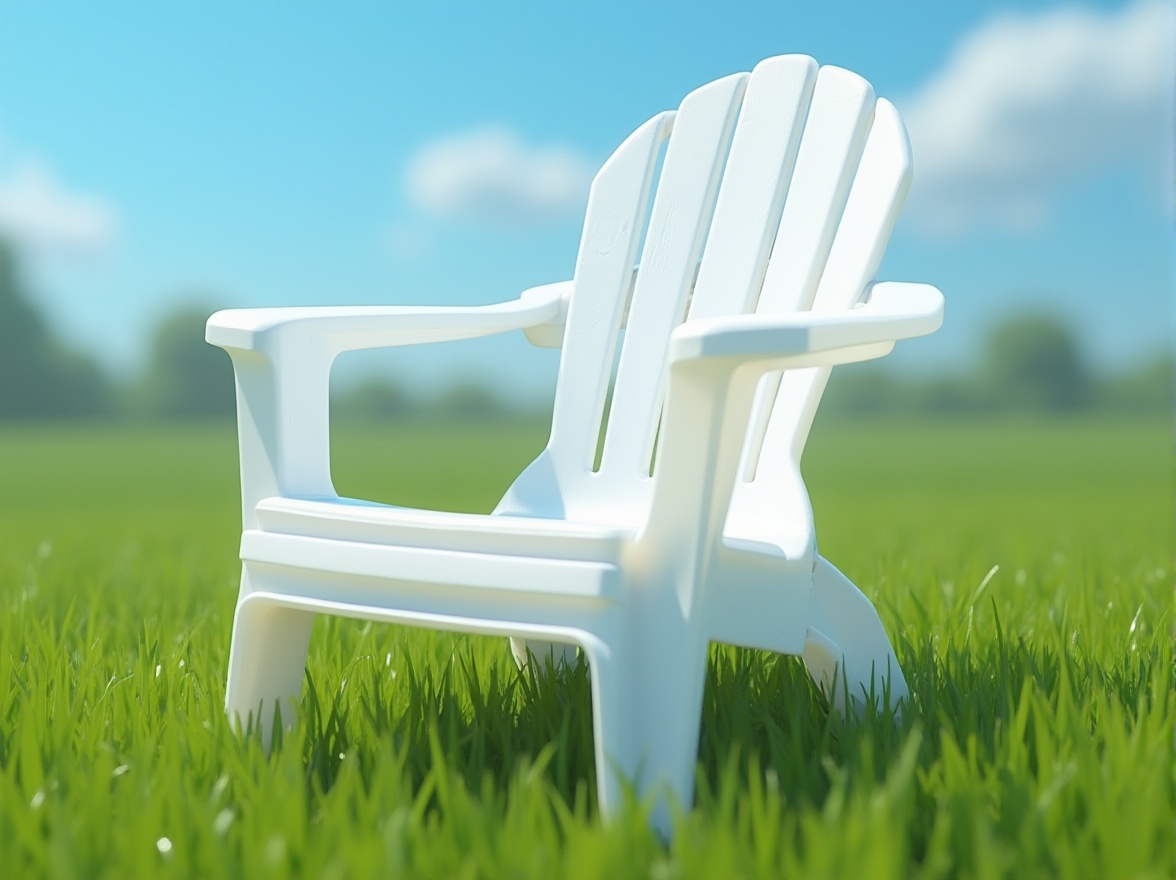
(368, 522)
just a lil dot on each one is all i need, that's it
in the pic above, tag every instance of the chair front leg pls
(267, 662)
(647, 691)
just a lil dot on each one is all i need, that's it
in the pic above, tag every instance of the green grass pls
(1023, 570)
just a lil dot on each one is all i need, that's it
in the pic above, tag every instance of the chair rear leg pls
(267, 662)
(647, 711)
(847, 646)
(524, 649)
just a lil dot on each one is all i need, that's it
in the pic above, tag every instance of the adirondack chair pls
(777, 194)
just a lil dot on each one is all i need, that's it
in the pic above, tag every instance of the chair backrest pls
(778, 190)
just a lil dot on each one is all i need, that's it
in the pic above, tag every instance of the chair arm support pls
(550, 333)
(282, 362)
(714, 368)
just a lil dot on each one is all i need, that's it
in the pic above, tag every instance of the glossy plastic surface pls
(755, 263)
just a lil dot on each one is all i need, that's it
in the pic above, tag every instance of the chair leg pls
(847, 647)
(267, 662)
(647, 710)
(524, 649)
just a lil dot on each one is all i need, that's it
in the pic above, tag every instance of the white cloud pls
(39, 214)
(1030, 104)
(491, 176)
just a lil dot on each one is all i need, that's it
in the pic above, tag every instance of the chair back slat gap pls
(835, 132)
(617, 207)
(681, 215)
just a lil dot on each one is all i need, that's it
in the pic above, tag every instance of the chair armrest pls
(714, 368)
(337, 329)
(282, 365)
(894, 311)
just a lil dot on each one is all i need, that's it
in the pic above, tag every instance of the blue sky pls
(153, 155)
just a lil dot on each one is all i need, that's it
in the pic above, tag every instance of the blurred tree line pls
(184, 378)
(1031, 363)
(41, 378)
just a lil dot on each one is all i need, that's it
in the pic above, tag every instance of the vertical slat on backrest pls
(879, 189)
(883, 177)
(617, 206)
(751, 196)
(834, 136)
(678, 224)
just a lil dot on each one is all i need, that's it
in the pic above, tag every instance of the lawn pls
(1023, 569)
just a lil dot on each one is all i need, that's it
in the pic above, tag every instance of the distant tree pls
(470, 401)
(864, 389)
(869, 390)
(371, 400)
(39, 377)
(1034, 362)
(1149, 388)
(186, 377)
(950, 395)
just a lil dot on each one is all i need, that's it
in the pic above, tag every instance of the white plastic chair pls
(777, 194)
